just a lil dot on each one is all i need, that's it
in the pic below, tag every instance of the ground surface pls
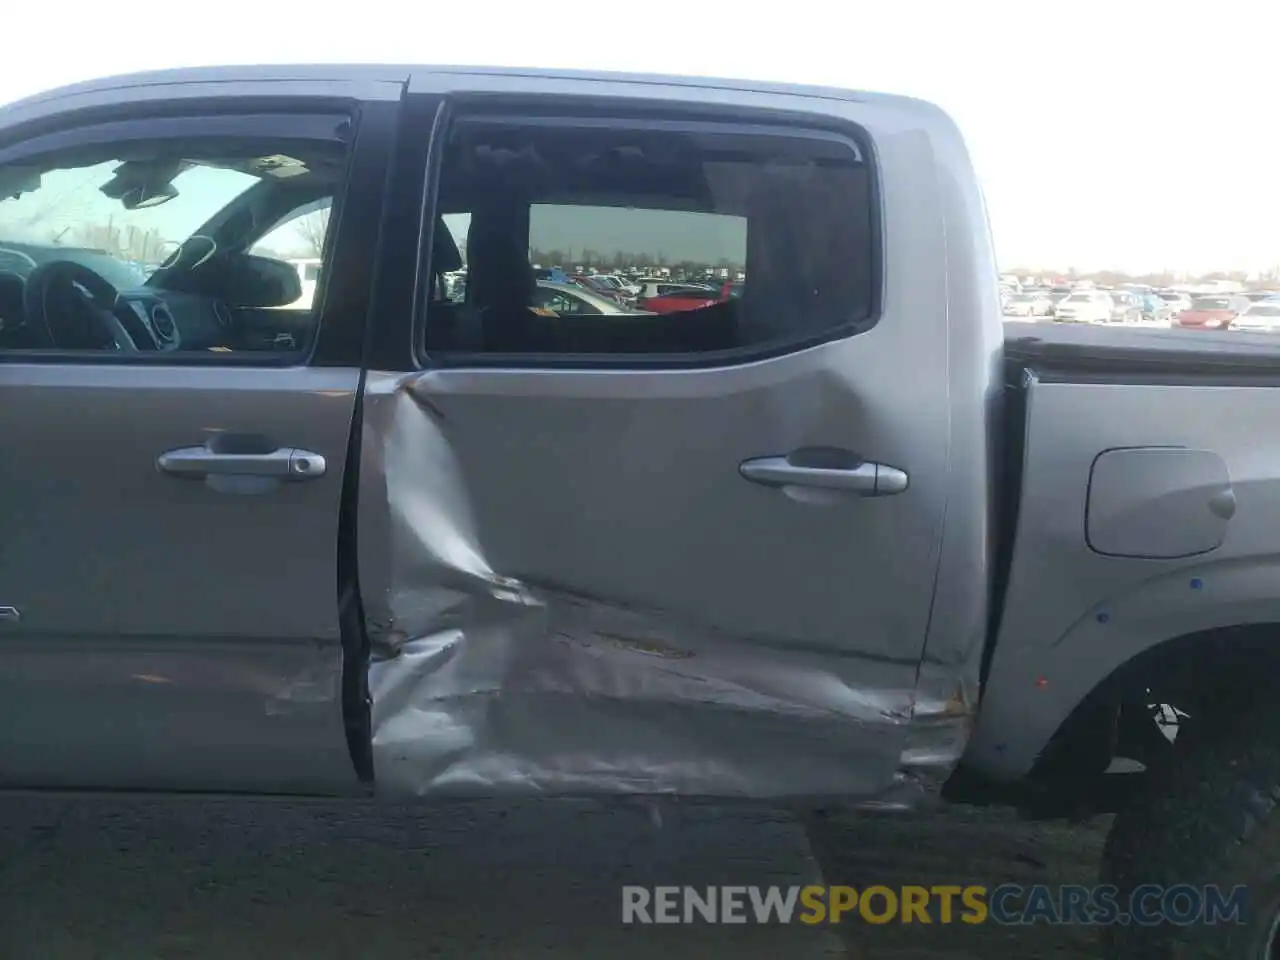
(243, 879)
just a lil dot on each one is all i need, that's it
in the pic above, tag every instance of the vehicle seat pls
(500, 285)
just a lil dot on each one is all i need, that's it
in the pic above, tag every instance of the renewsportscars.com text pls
(1150, 904)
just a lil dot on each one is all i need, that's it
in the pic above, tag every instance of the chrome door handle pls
(865, 479)
(285, 463)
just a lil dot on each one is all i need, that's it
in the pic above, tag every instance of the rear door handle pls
(865, 479)
(285, 463)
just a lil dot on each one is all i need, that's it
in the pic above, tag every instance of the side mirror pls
(252, 281)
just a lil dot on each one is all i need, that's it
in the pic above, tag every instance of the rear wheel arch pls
(1208, 673)
(1037, 688)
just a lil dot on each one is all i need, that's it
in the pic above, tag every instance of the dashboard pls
(165, 320)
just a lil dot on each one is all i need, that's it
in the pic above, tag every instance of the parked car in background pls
(1028, 305)
(600, 288)
(1176, 300)
(661, 288)
(1155, 308)
(1254, 296)
(1260, 317)
(1210, 313)
(1056, 295)
(1152, 306)
(616, 284)
(678, 297)
(1126, 307)
(1084, 306)
(733, 290)
(573, 299)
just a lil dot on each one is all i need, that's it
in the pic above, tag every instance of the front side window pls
(191, 246)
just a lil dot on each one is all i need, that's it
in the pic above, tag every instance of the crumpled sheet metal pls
(485, 685)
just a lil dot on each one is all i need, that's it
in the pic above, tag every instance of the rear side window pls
(761, 238)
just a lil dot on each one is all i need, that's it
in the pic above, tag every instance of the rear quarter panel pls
(1072, 615)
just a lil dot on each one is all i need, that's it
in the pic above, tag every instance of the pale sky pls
(1131, 134)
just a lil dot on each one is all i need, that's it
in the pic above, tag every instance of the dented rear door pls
(664, 578)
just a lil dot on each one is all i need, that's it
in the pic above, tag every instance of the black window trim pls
(338, 338)
(631, 114)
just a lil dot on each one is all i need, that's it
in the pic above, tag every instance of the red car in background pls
(672, 298)
(1214, 312)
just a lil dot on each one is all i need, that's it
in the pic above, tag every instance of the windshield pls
(1210, 303)
(1264, 310)
(76, 213)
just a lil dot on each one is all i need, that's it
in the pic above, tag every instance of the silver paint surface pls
(1072, 615)
(169, 86)
(172, 636)
(571, 588)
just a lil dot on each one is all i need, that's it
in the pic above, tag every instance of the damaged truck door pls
(175, 435)
(659, 550)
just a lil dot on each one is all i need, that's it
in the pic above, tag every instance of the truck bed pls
(1084, 352)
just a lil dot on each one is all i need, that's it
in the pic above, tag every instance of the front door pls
(171, 469)
(611, 549)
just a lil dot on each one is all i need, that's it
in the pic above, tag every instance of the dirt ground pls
(959, 845)
(135, 879)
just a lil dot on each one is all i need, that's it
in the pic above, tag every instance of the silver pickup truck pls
(434, 528)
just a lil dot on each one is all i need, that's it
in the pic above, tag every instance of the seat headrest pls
(498, 270)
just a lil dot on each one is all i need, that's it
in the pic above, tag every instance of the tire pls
(1210, 817)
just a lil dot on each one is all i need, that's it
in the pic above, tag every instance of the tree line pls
(622, 260)
(1164, 278)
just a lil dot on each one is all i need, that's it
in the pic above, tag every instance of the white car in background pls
(618, 283)
(573, 300)
(1176, 299)
(1085, 306)
(1260, 317)
(1028, 305)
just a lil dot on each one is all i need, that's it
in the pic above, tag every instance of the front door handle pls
(864, 478)
(284, 463)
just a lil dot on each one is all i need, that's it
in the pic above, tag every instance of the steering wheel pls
(62, 315)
